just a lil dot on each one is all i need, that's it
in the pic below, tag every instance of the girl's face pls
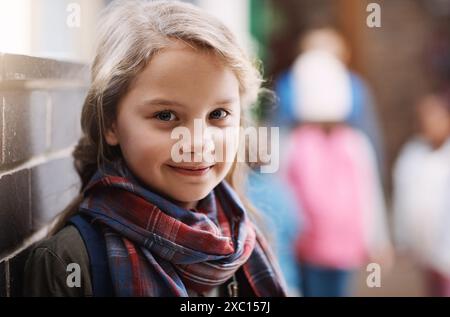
(177, 86)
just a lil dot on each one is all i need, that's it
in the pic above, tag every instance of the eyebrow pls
(166, 102)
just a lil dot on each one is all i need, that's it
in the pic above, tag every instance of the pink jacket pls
(335, 179)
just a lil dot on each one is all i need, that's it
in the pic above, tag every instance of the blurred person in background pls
(363, 114)
(275, 200)
(332, 170)
(422, 194)
(273, 197)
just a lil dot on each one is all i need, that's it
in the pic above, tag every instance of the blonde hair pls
(130, 33)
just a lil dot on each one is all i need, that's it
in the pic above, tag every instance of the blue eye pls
(165, 115)
(219, 114)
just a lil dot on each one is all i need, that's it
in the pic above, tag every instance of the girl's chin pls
(190, 201)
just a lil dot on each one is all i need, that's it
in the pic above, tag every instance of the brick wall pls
(393, 59)
(40, 107)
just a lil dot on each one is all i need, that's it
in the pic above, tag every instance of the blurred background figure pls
(363, 115)
(332, 170)
(274, 199)
(422, 194)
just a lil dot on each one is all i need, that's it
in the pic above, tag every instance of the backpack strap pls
(98, 258)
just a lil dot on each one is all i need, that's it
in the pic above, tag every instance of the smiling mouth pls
(192, 170)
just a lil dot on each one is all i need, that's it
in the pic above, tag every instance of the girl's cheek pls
(154, 140)
(153, 131)
(226, 147)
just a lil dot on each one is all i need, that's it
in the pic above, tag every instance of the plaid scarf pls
(156, 248)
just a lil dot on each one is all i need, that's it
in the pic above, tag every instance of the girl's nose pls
(202, 141)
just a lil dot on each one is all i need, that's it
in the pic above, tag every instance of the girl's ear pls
(111, 136)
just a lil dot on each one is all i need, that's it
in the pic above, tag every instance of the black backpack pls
(98, 259)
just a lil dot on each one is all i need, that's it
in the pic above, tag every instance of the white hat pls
(322, 88)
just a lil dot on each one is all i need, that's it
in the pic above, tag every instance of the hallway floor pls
(404, 279)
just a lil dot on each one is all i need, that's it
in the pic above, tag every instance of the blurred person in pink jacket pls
(333, 172)
(422, 195)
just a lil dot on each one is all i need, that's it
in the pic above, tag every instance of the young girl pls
(146, 224)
